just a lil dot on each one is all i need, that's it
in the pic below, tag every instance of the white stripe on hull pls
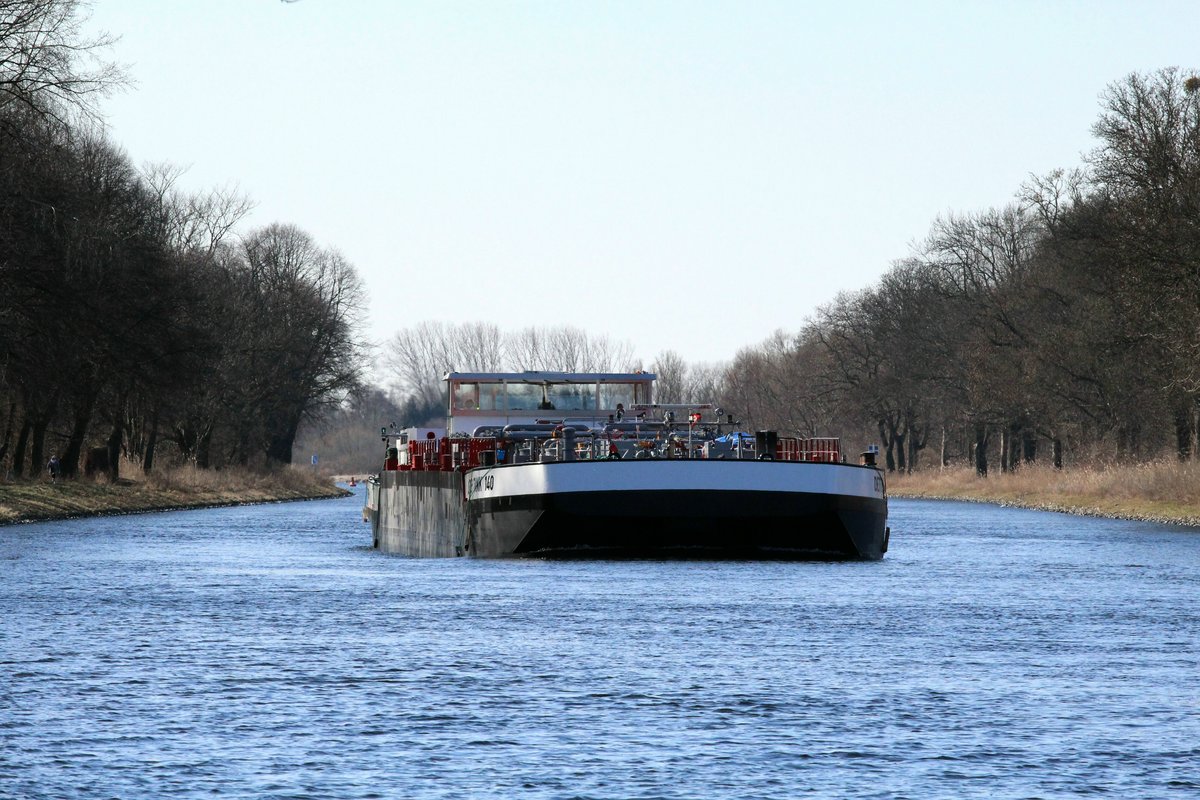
(666, 475)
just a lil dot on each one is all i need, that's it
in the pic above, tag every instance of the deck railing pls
(448, 453)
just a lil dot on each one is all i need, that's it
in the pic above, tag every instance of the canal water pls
(266, 652)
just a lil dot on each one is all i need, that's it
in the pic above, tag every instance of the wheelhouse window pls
(491, 397)
(572, 396)
(504, 394)
(470, 396)
(465, 396)
(626, 394)
(551, 396)
(524, 396)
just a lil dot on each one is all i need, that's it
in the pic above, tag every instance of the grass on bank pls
(1163, 491)
(183, 487)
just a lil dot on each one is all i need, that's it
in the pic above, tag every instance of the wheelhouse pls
(481, 399)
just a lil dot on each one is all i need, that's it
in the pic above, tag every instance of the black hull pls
(731, 510)
(680, 524)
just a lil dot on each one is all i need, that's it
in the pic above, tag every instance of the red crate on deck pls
(423, 454)
(826, 450)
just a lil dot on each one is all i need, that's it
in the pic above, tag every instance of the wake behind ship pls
(585, 465)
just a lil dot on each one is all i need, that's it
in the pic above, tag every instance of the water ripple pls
(266, 652)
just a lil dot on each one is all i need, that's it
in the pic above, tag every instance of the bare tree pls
(671, 370)
(527, 349)
(609, 355)
(417, 358)
(706, 382)
(194, 223)
(566, 349)
(303, 350)
(47, 64)
(1146, 178)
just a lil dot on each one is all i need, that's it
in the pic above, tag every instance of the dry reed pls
(181, 487)
(1160, 490)
(190, 479)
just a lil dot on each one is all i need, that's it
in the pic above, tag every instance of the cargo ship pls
(586, 465)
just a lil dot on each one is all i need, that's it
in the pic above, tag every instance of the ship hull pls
(418, 513)
(681, 524)
(654, 509)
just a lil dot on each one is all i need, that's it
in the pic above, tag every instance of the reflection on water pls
(265, 651)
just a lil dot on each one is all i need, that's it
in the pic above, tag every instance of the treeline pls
(1063, 325)
(134, 323)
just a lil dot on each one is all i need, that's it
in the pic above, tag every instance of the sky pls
(687, 176)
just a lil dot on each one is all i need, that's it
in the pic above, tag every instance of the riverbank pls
(29, 501)
(1161, 491)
